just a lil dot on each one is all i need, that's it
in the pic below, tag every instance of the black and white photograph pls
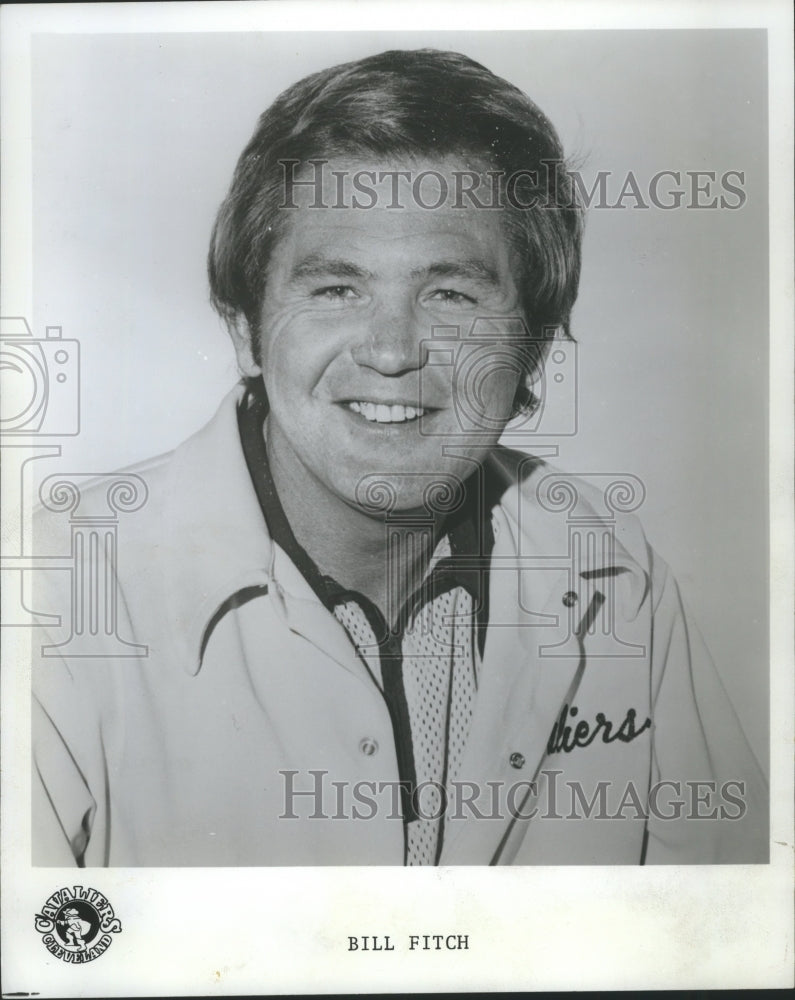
(397, 474)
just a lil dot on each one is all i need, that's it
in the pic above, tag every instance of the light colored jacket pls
(196, 680)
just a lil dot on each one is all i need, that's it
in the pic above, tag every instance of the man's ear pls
(243, 339)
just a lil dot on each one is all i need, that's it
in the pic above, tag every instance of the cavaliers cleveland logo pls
(77, 924)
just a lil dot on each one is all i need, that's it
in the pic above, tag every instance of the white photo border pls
(285, 930)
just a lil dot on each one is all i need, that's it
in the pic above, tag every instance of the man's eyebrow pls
(315, 265)
(472, 268)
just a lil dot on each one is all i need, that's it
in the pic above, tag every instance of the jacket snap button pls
(570, 598)
(517, 760)
(368, 746)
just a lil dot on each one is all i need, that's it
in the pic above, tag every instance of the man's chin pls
(423, 493)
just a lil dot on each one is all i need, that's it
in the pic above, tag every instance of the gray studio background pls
(134, 141)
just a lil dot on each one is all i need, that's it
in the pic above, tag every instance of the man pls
(357, 630)
(74, 928)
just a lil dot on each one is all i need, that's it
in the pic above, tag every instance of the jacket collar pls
(213, 530)
(214, 558)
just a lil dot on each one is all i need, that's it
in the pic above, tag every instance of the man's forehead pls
(359, 245)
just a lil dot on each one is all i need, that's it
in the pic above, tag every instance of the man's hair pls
(395, 106)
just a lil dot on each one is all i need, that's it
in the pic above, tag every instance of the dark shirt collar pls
(468, 529)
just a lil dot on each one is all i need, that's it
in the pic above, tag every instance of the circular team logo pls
(77, 924)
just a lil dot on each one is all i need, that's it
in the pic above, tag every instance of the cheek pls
(503, 389)
(296, 350)
(488, 386)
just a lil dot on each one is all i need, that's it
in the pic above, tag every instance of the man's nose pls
(393, 341)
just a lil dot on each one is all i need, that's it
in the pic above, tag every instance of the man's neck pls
(385, 561)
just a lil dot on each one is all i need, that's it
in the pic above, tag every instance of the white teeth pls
(384, 413)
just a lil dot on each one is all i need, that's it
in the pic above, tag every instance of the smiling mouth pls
(386, 413)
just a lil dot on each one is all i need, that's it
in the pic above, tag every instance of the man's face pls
(352, 296)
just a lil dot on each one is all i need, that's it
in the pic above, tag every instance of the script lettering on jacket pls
(564, 739)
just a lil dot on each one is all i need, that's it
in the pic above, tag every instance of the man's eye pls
(451, 296)
(334, 292)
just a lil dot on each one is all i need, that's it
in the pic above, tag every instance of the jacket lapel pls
(520, 695)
